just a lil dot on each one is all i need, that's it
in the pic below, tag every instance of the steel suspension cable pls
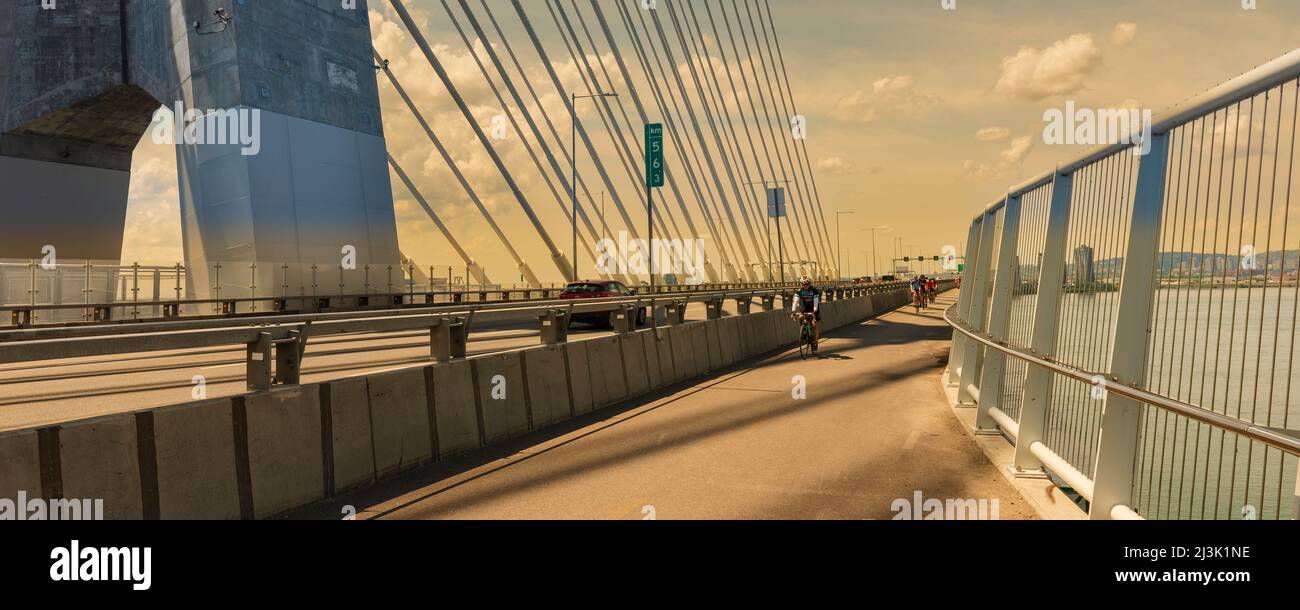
(411, 27)
(706, 200)
(645, 118)
(523, 108)
(455, 170)
(477, 270)
(769, 113)
(803, 144)
(785, 118)
(510, 115)
(699, 78)
(589, 80)
(801, 247)
(718, 191)
(663, 39)
(581, 131)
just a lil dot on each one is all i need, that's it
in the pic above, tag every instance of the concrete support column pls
(1121, 417)
(742, 306)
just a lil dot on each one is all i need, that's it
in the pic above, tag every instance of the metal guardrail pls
(1131, 320)
(282, 340)
(99, 312)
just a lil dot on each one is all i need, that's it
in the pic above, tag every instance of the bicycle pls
(807, 337)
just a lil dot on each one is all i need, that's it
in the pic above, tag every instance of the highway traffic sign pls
(776, 203)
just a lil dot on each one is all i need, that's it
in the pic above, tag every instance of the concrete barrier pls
(607, 372)
(751, 326)
(20, 465)
(99, 459)
(263, 454)
(455, 410)
(548, 386)
(194, 448)
(399, 420)
(684, 364)
(654, 367)
(345, 407)
(667, 364)
(580, 377)
(789, 329)
(712, 335)
(729, 340)
(634, 363)
(284, 449)
(700, 346)
(501, 396)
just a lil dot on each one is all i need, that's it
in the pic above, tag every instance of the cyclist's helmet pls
(805, 281)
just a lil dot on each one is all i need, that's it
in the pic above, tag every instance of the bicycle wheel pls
(805, 339)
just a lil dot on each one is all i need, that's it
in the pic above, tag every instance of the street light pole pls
(874, 259)
(839, 252)
(573, 165)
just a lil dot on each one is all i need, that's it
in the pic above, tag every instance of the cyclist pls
(918, 292)
(932, 288)
(808, 300)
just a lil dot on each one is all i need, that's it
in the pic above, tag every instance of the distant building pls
(1084, 272)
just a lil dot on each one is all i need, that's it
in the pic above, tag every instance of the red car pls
(599, 289)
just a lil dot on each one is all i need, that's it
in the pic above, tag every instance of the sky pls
(919, 112)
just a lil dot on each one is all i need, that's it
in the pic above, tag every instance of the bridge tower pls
(81, 82)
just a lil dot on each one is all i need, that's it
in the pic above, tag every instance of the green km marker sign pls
(654, 155)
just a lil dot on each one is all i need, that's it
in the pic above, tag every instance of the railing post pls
(1047, 314)
(448, 340)
(554, 327)
(958, 352)
(257, 363)
(991, 376)
(972, 360)
(1121, 417)
(624, 319)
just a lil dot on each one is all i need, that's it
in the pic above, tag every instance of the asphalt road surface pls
(874, 429)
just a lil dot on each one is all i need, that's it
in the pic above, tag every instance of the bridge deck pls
(875, 427)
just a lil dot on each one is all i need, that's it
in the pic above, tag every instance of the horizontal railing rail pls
(1285, 440)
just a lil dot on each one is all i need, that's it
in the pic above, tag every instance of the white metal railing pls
(1131, 320)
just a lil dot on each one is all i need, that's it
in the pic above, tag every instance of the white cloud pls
(892, 95)
(1123, 34)
(992, 134)
(834, 165)
(1009, 160)
(1035, 74)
